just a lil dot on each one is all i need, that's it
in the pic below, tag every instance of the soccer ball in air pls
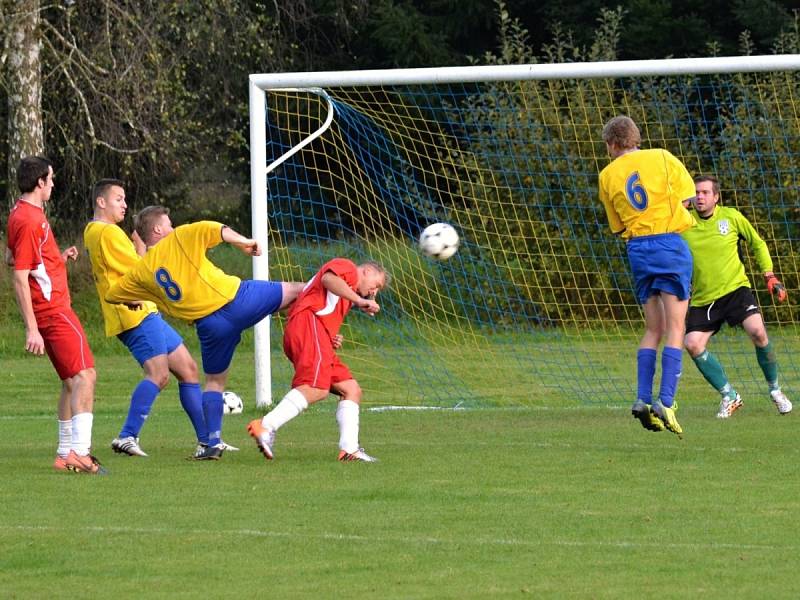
(231, 403)
(439, 241)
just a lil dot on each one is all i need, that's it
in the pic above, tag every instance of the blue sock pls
(646, 371)
(212, 409)
(670, 373)
(141, 402)
(192, 402)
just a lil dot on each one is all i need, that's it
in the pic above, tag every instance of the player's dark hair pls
(102, 186)
(622, 132)
(714, 182)
(145, 220)
(31, 169)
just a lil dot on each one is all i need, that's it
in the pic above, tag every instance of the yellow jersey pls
(178, 276)
(112, 254)
(643, 191)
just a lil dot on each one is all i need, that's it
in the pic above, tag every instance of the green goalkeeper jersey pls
(718, 267)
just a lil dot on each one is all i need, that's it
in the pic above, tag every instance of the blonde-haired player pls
(176, 274)
(643, 193)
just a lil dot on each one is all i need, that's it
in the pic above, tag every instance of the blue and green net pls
(537, 307)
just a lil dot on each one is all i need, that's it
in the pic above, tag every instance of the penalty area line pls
(425, 540)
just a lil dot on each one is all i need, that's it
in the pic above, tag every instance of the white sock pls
(64, 437)
(292, 404)
(347, 417)
(82, 433)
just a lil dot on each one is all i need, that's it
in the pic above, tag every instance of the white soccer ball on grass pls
(231, 403)
(439, 241)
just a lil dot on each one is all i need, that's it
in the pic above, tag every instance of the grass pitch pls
(567, 501)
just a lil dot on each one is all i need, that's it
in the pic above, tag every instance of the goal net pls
(537, 306)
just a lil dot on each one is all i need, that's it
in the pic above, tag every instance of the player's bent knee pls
(350, 391)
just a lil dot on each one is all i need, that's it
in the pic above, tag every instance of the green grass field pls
(557, 500)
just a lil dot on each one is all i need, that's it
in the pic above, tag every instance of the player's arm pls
(761, 252)
(9, 257)
(126, 291)
(33, 339)
(247, 245)
(614, 221)
(336, 285)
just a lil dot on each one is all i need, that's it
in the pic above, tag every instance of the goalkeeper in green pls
(721, 292)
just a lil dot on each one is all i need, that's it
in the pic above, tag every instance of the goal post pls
(538, 302)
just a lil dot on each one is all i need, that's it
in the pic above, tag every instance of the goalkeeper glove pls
(775, 287)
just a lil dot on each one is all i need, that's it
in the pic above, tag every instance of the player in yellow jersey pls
(643, 193)
(176, 274)
(156, 346)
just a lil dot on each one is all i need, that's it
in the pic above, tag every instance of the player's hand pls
(249, 247)
(368, 305)
(34, 342)
(70, 253)
(775, 287)
(337, 340)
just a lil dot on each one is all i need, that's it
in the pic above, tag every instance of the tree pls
(21, 54)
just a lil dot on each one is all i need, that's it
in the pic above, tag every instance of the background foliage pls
(155, 92)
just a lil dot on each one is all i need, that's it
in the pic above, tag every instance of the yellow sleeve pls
(614, 221)
(206, 234)
(127, 289)
(680, 181)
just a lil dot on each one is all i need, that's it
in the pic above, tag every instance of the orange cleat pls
(358, 455)
(60, 464)
(263, 436)
(84, 464)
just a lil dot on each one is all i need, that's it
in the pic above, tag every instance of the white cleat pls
(264, 437)
(728, 406)
(130, 445)
(358, 455)
(781, 402)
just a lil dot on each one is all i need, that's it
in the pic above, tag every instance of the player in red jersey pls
(51, 326)
(310, 341)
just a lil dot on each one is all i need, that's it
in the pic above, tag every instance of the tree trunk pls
(24, 77)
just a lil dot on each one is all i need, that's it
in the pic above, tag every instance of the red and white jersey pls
(31, 241)
(329, 308)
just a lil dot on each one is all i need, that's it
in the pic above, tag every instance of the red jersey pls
(329, 308)
(31, 241)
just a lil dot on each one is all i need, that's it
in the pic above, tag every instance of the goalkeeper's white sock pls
(82, 433)
(347, 417)
(64, 437)
(292, 404)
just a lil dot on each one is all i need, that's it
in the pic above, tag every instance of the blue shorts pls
(151, 337)
(221, 331)
(660, 263)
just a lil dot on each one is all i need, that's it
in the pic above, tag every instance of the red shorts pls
(308, 346)
(65, 343)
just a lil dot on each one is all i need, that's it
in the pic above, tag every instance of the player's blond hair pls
(380, 269)
(622, 132)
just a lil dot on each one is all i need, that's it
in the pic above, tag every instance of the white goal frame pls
(315, 82)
